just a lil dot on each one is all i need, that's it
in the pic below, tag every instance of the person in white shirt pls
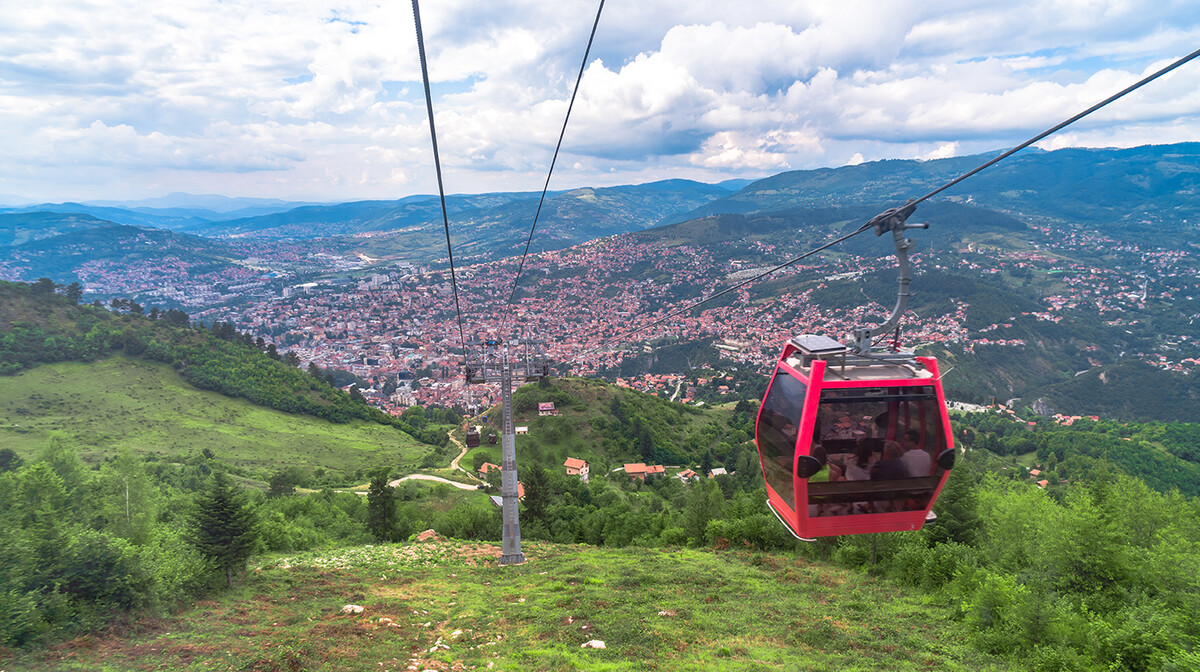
(916, 459)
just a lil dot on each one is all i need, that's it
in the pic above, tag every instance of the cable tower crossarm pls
(437, 164)
(553, 161)
(885, 221)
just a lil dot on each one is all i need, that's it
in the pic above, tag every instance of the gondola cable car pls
(853, 440)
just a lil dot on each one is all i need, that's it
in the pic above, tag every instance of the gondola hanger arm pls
(896, 221)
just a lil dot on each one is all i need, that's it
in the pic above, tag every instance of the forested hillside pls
(123, 403)
(1146, 189)
(40, 323)
(1096, 570)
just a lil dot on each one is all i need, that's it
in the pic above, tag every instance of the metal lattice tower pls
(498, 363)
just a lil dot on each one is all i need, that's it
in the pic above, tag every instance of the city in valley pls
(394, 324)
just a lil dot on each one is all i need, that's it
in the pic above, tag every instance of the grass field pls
(446, 605)
(103, 407)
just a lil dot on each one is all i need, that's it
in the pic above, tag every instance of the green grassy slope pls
(598, 422)
(120, 402)
(447, 606)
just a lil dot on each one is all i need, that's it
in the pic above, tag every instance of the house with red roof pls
(577, 467)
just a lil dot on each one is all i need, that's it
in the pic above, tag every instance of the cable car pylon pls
(500, 362)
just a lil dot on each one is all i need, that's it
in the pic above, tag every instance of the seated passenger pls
(859, 469)
(892, 465)
(917, 459)
(829, 473)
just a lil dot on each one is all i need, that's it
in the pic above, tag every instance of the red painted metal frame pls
(797, 518)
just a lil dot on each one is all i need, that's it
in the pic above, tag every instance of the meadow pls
(446, 605)
(121, 402)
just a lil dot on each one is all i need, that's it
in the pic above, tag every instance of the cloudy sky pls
(321, 100)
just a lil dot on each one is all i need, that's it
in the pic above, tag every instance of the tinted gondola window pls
(778, 424)
(881, 445)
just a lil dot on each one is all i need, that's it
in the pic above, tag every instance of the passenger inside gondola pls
(918, 461)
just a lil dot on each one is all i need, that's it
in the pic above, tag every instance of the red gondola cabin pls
(850, 444)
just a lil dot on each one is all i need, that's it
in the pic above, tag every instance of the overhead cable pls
(437, 163)
(871, 224)
(546, 186)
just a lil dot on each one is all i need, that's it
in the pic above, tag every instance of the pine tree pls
(381, 506)
(224, 525)
(281, 485)
(74, 292)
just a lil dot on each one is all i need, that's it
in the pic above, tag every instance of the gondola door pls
(785, 416)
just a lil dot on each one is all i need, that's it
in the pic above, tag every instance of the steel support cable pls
(677, 311)
(554, 160)
(871, 224)
(1121, 94)
(437, 164)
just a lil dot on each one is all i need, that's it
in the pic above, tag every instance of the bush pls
(470, 522)
(20, 619)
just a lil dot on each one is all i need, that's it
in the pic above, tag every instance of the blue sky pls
(322, 100)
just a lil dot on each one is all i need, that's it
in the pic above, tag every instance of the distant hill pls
(120, 246)
(171, 220)
(1127, 191)
(207, 202)
(795, 226)
(19, 228)
(488, 225)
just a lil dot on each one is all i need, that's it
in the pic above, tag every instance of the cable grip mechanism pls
(896, 221)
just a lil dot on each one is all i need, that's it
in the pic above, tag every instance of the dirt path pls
(426, 477)
(460, 444)
(454, 463)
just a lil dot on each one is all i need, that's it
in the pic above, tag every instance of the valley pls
(308, 374)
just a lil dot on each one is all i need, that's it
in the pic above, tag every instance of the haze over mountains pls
(1140, 187)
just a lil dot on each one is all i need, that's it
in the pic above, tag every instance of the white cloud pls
(313, 98)
(945, 151)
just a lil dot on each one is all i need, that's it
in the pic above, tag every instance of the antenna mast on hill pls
(499, 363)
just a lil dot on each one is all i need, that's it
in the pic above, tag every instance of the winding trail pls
(427, 477)
(453, 464)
